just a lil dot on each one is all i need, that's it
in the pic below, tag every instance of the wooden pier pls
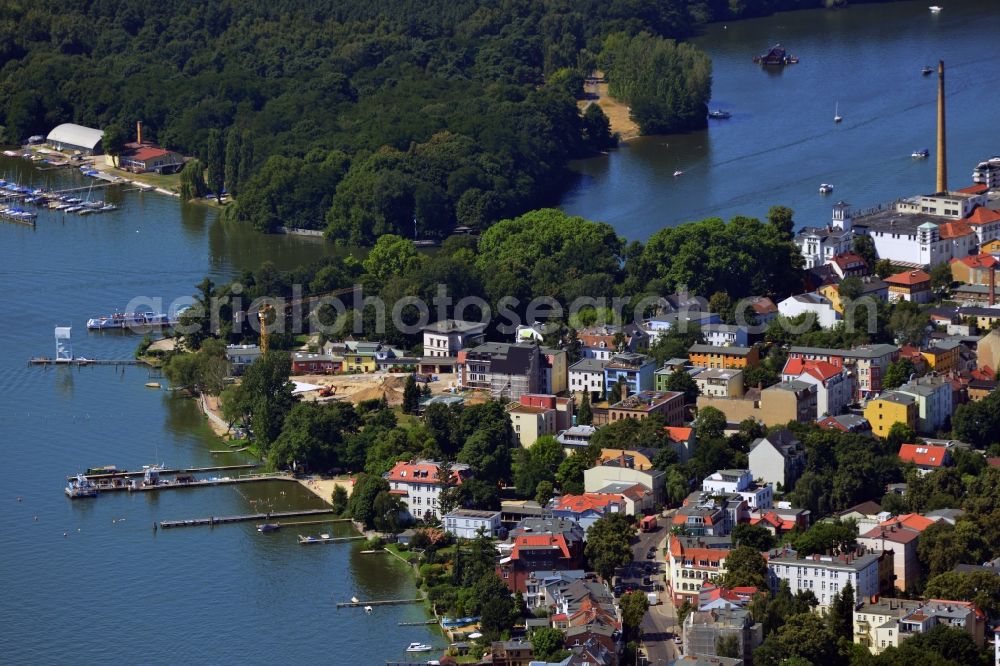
(123, 486)
(85, 361)
(305, 541)
(384, 602)
(164, 472)
(223, 520)
(421, 623)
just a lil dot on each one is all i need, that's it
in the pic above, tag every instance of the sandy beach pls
(617, 112)
(323, 488)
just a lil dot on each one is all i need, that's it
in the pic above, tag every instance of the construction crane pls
(267, 309)
(262, 314)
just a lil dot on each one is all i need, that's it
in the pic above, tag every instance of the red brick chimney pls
(993, 286)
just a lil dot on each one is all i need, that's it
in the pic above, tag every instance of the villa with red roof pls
(693, 561)
(834, 384)
(588, 508)
(539, 544)
(913, 286)
(927, 457)
(714, 597)
(418, 485)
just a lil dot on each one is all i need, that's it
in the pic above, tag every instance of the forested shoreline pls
(361, 118)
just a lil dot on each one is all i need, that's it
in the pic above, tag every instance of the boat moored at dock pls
(123, 320)
(81, 486)
(268, 527)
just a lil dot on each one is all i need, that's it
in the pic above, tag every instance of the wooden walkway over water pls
(42, 360)
(164, 472)
(223, 520)
(197, 483)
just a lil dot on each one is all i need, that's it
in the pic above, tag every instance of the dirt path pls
(596, 90)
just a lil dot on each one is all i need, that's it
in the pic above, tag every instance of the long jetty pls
(164, 472)
(245, 518)
(196, 483)
(85, 361)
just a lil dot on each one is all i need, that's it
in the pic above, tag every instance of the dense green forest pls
(360, 117)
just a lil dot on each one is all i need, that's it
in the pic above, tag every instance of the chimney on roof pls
(942, 158)
(138, 132)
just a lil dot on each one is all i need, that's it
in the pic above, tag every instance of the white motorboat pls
(836, 113)
(368, 610)
(678, 173)
(825, 188)
(354, 600)
(419, 647)
(935, 9)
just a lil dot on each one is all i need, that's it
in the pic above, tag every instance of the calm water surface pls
(781, 142)
(111, 586)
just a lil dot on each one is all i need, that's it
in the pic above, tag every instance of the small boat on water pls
(920, 154)
(719, 114)
(268, 527)
(678, 173)
(927, 70)
(369, 610)
(81, 486)
(935, 9)
(354, 600)
(418, 647)
(152, 384)
(825, 188)
(836, 113)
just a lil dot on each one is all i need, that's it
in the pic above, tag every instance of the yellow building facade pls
(890, 408)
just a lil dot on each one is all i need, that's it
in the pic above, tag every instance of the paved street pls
(660, 623)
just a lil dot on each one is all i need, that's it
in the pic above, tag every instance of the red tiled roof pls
(978, 188)
(774, 520)
(418, 473)
(763, 305)
(893, 533)
(923, 455)
(848, 259)
(821, 370)
(678, 434)
(914, 521)
(146, 154)
(909, 278)
(979, 261)
(954, 229)
(587, 502)
(533, 541)
(983, 215)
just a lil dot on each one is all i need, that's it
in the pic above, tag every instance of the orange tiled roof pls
(978, 188)
(955, 229)
(419, 473)
(924, 455)
(909, 278)
(982, 215)
(531, 541)
(678, 434)
(979, 261)
(587, 501)
(914, 521)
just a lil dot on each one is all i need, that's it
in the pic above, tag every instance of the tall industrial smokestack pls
(138, 131)
(942, 153)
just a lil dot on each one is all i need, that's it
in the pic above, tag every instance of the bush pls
(374, 543)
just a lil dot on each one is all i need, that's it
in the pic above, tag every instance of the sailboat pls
(836, 113)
